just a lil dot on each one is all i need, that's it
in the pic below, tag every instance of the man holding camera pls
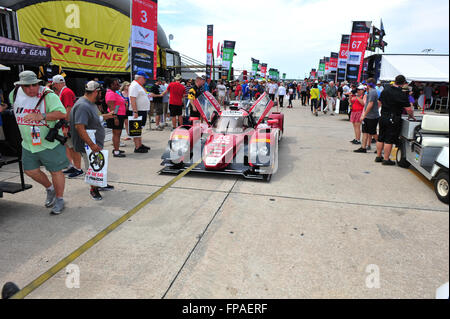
(38, 110)
(84, 116)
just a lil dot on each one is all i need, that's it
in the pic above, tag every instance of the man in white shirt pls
(273, 87)
(139, 106)
(281, 94)
(221, 90)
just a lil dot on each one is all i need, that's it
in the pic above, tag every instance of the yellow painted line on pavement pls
(94, 240)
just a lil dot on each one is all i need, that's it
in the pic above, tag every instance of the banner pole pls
(130, 54)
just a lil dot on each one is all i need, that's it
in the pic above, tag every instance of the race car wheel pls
(401, 157)
(441, 187)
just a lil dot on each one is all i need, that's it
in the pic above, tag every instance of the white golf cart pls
(424, 145)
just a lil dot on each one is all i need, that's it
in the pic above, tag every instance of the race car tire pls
(441, 187)
(268, 177)
(401, 157)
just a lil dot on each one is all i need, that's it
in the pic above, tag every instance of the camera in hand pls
(53, 134)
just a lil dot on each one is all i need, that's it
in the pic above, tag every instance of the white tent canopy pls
(422, 68)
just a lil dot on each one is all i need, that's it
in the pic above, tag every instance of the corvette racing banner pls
(343, 55)
(144, 36)
(228, 54)
(209, 50)
(82, 35)
(357, 48)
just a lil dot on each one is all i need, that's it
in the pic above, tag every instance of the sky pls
(292, 35)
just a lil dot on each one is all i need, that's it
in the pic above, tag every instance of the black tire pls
(441, 187)
(401, 157)
(267, 177)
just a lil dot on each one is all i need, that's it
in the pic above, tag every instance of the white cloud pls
(293, 35)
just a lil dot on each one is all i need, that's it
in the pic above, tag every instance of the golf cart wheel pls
(441, 187)
(401, 157)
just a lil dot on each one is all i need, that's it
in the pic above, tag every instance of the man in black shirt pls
(193, 94)
(156, 107)
(393, 101)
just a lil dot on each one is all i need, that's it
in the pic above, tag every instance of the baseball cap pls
(142, 73)
(92, 86)
(361, 87)
(58, 79)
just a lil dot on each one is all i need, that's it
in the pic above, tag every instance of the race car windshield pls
(230, 125)
(260, 107)
(207, 107)
(246, 105)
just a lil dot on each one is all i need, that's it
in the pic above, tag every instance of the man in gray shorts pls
(84, 116)
(370, 118)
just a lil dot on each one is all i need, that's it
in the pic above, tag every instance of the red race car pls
(240, 140)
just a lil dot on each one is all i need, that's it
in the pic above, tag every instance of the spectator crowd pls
(374, 109)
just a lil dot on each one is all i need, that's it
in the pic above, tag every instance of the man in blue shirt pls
(245, 91)
(254, 89)
(206, 86)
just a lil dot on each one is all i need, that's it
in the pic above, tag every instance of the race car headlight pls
(259, 153)
(179, 146)
(263, 151)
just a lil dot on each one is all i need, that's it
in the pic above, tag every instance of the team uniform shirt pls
(194, 93)
(137, 91)
(176, 91)
(118, 101)
(24, 105)
(393, 100)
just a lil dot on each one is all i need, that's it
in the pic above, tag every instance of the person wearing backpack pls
(37, 111)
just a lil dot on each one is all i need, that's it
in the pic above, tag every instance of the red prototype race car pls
(240, 140)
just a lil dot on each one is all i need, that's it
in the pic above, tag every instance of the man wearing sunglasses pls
(35, 117)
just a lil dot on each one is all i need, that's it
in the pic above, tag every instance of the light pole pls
(170, 38)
